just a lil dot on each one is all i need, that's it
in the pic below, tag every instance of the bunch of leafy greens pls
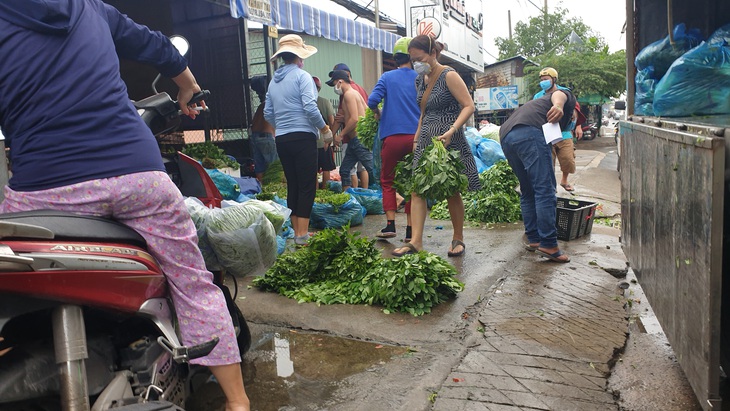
(339, 267)
(439, 173)
(330, 197)
(403, 181)
(367, 128)
(496, 202)
(270, 190)
(274, 173)
(200, 151)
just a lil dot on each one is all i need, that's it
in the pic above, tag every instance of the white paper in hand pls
(552, 132)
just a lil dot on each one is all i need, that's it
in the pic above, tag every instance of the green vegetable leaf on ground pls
(339, 267)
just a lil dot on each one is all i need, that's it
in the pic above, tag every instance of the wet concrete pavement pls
(525, 333)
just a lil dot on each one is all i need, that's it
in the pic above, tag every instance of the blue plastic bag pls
(490, 151)
(698, 83)
(371, 200)
(248, 185)
(645, 86)
(327, 216)
(480, 165)
(227, 185)
(661, 53)
(334, 186)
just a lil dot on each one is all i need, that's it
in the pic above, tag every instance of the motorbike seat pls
(70, 226)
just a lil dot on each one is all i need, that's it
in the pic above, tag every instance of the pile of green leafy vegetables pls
(330, 197)
(200, 151)
(437, 176)
(496, 202)
(367, 128)
(339, 267)
(271, 190)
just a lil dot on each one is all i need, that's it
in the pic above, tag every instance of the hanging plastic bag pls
(698, 83)
(371, 200)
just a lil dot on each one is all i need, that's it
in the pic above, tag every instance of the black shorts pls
(326, 159)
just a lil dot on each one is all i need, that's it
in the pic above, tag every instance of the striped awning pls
(295, 16)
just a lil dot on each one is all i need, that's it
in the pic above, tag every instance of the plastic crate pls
(574, 218)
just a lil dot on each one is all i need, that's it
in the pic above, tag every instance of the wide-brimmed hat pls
(292, 43)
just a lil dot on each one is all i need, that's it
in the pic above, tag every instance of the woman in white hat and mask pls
(291, 107)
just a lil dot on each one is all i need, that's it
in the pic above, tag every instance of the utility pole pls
(379, 53)
(509, 23)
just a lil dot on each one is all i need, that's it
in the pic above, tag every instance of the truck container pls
(674, 187)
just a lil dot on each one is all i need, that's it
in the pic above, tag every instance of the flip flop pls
(454, 244)
(411, 249)
(554, 256)
(568, 187)
(531, 248)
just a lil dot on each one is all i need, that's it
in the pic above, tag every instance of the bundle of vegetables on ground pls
(241, 236)
(208, 150)
(367, 128)
(496, 202)
(437, 176)
(334, 210)
(339, 267)
(371, 200)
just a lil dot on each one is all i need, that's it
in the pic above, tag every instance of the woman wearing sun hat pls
(291, 107)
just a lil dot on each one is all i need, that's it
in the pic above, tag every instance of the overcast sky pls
(605, 17)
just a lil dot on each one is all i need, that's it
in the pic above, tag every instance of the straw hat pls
(292, 43)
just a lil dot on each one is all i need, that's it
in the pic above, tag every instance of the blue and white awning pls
(295, 16)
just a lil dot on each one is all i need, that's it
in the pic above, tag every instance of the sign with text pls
(496, 98)
(461, 24)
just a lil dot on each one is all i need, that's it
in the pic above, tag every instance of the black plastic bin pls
(574, 218)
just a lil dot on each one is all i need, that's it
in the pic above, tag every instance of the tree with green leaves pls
(580, 56)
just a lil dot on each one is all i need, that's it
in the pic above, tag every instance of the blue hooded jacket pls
(291, 102)
(64, 108)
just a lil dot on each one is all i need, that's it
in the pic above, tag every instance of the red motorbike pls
(590, 131)
(86, 321)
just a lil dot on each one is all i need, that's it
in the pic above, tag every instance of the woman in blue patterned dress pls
(448, 107)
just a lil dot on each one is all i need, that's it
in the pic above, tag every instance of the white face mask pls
(338, 89)
(421, 67)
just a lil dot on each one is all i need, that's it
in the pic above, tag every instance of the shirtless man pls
(353, 106)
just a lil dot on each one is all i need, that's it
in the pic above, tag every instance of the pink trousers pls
(152, 205)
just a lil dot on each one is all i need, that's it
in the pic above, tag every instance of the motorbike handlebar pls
(197, 97)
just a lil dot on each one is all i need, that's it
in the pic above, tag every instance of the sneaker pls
(303, 240)
(386, 233)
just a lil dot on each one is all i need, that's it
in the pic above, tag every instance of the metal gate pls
(672, 188)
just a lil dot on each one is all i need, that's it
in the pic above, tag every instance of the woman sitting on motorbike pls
(77, 144)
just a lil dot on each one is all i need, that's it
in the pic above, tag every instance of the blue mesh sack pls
(661, 53)
(328, 216)
(698, 83)
(371, 200)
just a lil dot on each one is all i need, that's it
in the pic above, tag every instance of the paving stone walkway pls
(549, 340)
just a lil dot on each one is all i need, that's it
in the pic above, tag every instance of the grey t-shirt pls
(534, 113)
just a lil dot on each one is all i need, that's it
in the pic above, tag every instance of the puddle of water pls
(292, 370)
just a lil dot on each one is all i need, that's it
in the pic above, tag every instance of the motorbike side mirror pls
(619, 105)
(181, 44)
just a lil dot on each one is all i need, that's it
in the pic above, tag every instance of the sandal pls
(554, 256)
(567, 187)
(532, 248)
(454, 244)
(410, 249)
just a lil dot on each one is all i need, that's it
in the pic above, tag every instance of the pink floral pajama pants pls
(151, 204)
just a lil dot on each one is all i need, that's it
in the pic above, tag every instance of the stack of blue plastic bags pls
(688, 78)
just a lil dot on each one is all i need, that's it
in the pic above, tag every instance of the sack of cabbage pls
(438, 175)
